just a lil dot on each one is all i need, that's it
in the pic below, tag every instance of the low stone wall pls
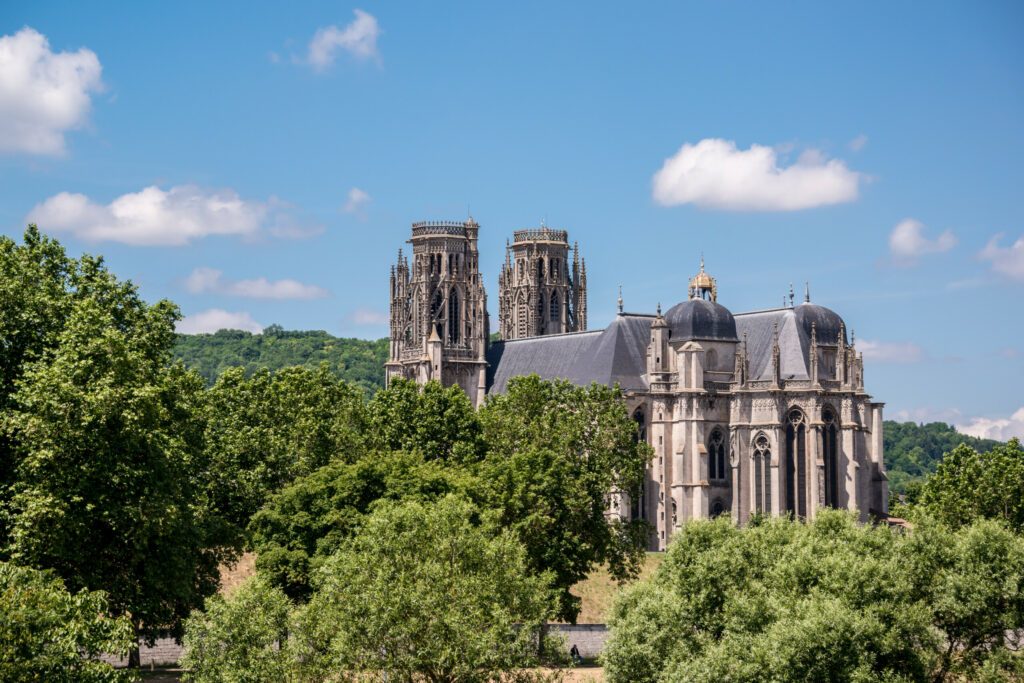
(588, 638)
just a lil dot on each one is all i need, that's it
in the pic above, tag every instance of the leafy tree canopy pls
(913, 451)
(828, 600)
(49, 634)
(556, 451)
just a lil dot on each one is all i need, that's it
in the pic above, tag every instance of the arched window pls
(554, 307)
(541, 313)
(540, 269)
(762, 458)
(436, 310)
(796, 463)
(717, 507)
(716, 456)
(830, 444)
(710, 359)
(453, 317)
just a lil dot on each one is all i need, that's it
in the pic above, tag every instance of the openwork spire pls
(703, 286)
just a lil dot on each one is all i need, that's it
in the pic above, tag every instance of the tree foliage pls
(263, 431)
(913, 451)
(308, 521)
(238, 639)
(556, 452)
(49, 634)
(970, 485)
(422, 593)
(104, 440)
(357, 361)
(827, 600)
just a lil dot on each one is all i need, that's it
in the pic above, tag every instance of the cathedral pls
(756, 413)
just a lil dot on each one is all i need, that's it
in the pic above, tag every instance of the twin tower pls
(439, 323)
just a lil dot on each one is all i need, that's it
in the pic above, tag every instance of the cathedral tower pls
(439, 326)
(540, 290)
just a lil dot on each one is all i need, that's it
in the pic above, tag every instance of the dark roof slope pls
(551, 357)
(700, 319)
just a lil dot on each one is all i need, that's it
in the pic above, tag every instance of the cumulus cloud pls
(365, 316)
(890, 352)
(211, 281)
(714, 174)
(174, 217)
(358, 38)
(1002, 429)
(356, 201)
(43, 94)
(907, 241)
(1008, 261)
(218, 319)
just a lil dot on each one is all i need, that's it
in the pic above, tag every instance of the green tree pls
(828, 600)
(556, 451)
(421, 593)
(108, 471)
(913, 451)
(49, 634)
(439, 422)
(264, 431)
(237, 639)
(969, 485)
(309, 520)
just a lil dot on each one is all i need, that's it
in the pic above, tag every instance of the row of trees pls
(128, 479)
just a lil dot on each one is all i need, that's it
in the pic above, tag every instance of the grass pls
(598, 591)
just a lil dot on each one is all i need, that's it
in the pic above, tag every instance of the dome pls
(700, 319)
(825, 321)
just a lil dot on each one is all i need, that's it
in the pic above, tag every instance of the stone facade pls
(760, 413)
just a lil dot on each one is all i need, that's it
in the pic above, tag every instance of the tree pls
(913, 451)
(421, 593)
(309, 520)
(969, 485)
(49, 634)
(108, 471)
(437, 421)
(264, 431)
(237, 639)
(828, 600)
(556, 453)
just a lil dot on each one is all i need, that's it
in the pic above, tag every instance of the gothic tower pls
(540, 291)
(439, 327)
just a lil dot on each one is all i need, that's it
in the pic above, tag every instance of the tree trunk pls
(134, 661)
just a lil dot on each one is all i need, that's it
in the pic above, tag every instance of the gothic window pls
(554, 268)
(436, 310)
(716, 456)
(796, 463)
(453, 317)
(540, 269)
(830, 439)
(540, 313)
(717, 508)
(762, 458)
(710, 359)
(554, 307)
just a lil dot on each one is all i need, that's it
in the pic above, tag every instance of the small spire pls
(807, 292)
(659, 309)
(791, 295)
(853, 337)
(620, 299)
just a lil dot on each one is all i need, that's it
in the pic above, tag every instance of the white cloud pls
(1002, 429)
(858, 143)
(358, 38)
(218, 319)
(714, 174)
(907, 241)
(210, 280)
(890, 352)
(155, 217)
(357, 200)
(947, 415)
(365, 316)
(43, 94)
(1007, 261)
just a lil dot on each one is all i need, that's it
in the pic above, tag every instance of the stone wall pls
(165, 652)
(589, 638)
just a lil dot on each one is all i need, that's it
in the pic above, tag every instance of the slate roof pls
(618, 353)
(699, 319)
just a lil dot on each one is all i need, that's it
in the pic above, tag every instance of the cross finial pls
(620, 299)
(702, 261)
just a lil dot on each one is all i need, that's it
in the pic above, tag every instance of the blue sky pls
(260, 164)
